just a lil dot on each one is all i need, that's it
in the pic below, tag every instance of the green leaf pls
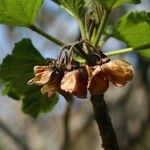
(74, 7)
(34, 102)
(134, 29)
(19, 12)
(16, 70)
(111, 4)
(145, 53)
(11, 92)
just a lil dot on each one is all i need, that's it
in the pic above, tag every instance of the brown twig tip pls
(109, 139)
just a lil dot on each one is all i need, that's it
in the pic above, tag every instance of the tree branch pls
(109, 139)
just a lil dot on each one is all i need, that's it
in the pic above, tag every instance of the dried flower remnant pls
(42, 75)
(75, 82)
(66, 76)
(98, 82)
(119, 72)
(53, 84)
(48, 76)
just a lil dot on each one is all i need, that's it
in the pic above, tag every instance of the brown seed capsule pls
(47, 76)
(98, 82)
(118, 71)
(53, 84)
(75, 82)
(42, 75)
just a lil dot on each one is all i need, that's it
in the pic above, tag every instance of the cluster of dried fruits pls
(67, 77)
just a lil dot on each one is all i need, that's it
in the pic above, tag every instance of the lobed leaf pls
(74, 7)
(111, 4)
(19, 12)
(16, 70)
(134, 29)
(35, 103)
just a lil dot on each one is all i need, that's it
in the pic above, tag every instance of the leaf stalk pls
(127, 50)
(100, 28)
(49, 37)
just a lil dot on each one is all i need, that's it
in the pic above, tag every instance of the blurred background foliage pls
(72, 124)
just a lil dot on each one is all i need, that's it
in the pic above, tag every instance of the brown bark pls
(109, 139)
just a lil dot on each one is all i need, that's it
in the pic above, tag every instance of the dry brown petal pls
(118, 71)
(42, 75)
(98, 83)
(98, 70)
(75, 82)
(53, 85)
(47, 76)
(39, 69)
(50, 89)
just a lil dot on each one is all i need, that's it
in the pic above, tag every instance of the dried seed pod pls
(98, 82)
(50, 89)
(53, 84)
(75, 82)
(39, 69)
(42, 75)
(48, 76)
(118, 71)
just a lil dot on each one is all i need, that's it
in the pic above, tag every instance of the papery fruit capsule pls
(75, 82)
(98, 82)
(48, 76)
(42, 75)
(119, 71)
(53, 84)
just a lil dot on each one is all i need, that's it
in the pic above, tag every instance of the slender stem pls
(109, 139)
(82, 29)
(100, 28)
(127, 50)
(49, 37)
(94, 32)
